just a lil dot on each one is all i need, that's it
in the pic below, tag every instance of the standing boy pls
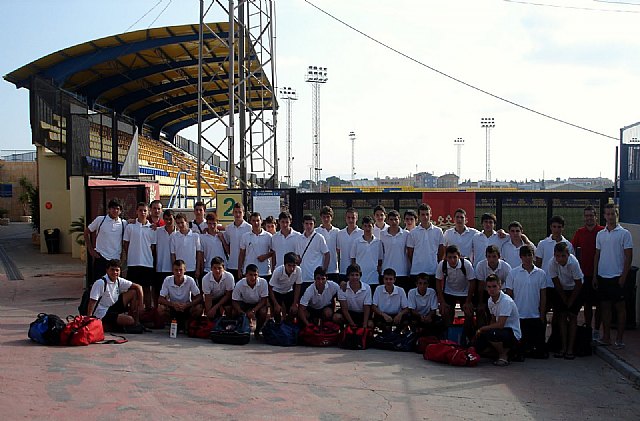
(140, 247)
(425, 246)
(330, 234)
(410, 217)
(233, 234)
(312, 250)
(345, 239)
(213, 242)
(255, 248)
(487, 237)
(186, 247)
(379, 215)
(456, 285)
(107, 244)
(366, 251)
(199, 224)
(394, 248)
(163, 253)
(510, 251)
(461, 235)
(285, 240)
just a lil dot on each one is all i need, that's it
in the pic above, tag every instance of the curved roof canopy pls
(151, 75)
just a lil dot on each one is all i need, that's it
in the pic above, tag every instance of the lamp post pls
(352, 136)
(288, 94)
(316, 75)
(488, 123)
(459, 142)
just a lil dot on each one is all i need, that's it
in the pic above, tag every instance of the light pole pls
(352, 136)
(288, 94)
(316, 75)
(459, 142)
(488, 123)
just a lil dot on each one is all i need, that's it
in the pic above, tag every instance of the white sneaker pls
(595, 335)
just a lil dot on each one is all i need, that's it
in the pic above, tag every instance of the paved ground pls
(154, 377)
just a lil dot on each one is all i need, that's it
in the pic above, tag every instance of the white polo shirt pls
(612, 245)
(480, 243)
(526, 288)
(544, 251)
(110, 295)
(283, 283)
(185, 248)
(256, 245)
(344, 241)
(212, 247)
(200, 228)
(109, 235)
(511, 254)
(312, 298)
(163, 249)
(330, 236)
(390, 303)
(377, 231)
(314, 255)
(282, 245)
(456, 283)
(502, 271)
(217, 288)
(423, 304)
(233, 234)
(464, 241)
(244, 293)
(367, 254)
(505, 306)
(566, 274)
(425, 243)
(140, 238)
(356, 300)
(394, 249)
(183, 293)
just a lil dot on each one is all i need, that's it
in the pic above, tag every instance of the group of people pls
(381, 274)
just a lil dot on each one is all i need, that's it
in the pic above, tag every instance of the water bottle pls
(173, 331)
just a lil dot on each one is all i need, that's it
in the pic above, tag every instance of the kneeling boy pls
(423, 303)
(180, 297)
(355, 300)
(389, 303)
(217, 286)
(319, 300)
(250, 297)
(284, 288)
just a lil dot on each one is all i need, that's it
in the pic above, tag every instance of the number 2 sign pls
(225, 200)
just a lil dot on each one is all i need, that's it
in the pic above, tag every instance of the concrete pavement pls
(154, 377)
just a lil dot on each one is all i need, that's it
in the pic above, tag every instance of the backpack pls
(83, 308)
(231, 331)
(200, 327)
(280, 334)
(46, 329)
(445, 265)
(396, 340)
(325, 334)
(356, 338)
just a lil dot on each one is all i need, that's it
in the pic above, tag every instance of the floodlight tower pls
(352, 136)
(459, 142)
(288, 94)
(488, 123)
(316, 75)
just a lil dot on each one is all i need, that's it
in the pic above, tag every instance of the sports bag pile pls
(280, 334)
(325, 334)
(231, 331)
(46, 329)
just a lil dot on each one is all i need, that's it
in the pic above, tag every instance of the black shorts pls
(114, 311)
(141, 275)
(318, 313)
(246, 307)
(357, 317)
(610, 290)
(552, 298)
(504, 335)
(589, 295)
(561, 307)
(285, 300)
(452, 300)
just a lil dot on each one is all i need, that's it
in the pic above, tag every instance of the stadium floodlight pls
(288, 94)
(352, 136)
(316, 75)
(488, 123)
(459, 142)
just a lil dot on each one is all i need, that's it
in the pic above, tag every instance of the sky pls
(573, 60)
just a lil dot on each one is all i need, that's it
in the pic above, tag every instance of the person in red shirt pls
(584, 243)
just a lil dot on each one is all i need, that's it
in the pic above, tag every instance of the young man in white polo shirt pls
(118, 302)
(107, 243)
(389, 304)
(163, 252)
(330, 234)
(233, 234)
(213, 242)
(285, 240)
(180, 297)
(199, 224)
(510, 251)
(527, 285)
(345, 239)
(614, 253)
(567, 277)
(284, 288)
(250, 297)
(425, 246)
(217, 287)
(255, 248)
(140, 247)
(423, 303)
(394, 248)
(490, 265)
(312, 250)
(456, 285)
(366, 251)
(503, 332)
(461, 235)
(186, 246)
(410, 217)
(355, 300)
(487, 237)
(379, 216)
(319, 300)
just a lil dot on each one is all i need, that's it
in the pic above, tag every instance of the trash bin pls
(52, 239)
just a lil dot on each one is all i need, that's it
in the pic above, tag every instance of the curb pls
(623, 367)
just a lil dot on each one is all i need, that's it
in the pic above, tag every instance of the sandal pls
(501, 362)
(569, 357)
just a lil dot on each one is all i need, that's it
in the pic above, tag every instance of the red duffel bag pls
(82, 330)
(451, 353)
(440, 352)
(327, 334)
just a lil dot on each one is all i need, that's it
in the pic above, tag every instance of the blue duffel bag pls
(280, 334)
(231, 331)
(46, 329)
